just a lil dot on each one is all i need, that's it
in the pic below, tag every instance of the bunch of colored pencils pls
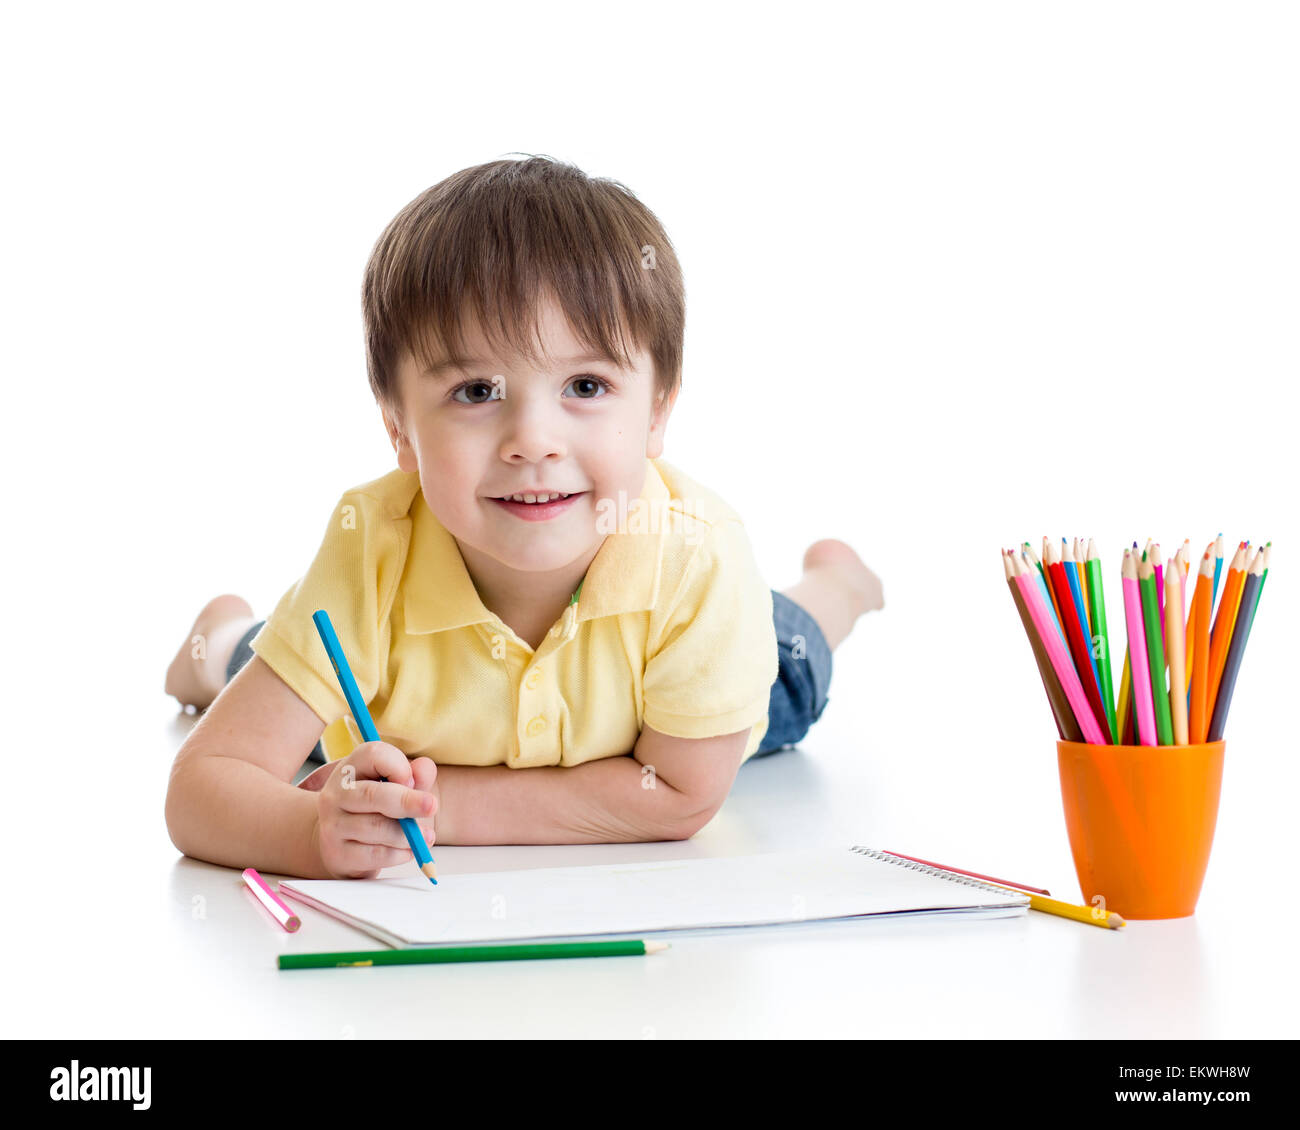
(1179, 672)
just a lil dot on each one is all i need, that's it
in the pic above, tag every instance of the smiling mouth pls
(537, 500)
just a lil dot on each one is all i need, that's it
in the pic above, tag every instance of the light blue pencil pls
(1037, 571)
(367, 727)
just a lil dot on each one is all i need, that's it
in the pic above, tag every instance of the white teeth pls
(535, 497)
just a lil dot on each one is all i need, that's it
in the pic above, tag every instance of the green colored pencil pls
(1155, 653)
(1267, 547)
(434, 954)
(1035, 560)
(1097, 596)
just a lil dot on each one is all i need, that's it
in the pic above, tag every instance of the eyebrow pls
(443, 369)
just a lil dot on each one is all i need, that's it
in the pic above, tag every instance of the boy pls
(534, 588)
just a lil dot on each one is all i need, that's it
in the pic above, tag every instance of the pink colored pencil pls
(1158, 563)
(1060, 660)
(972, 874)
(269, 899)
(1137, 650)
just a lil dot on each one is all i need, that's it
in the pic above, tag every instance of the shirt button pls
(534, 677)
(536, 726)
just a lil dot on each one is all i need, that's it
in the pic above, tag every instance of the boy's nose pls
(532, 433)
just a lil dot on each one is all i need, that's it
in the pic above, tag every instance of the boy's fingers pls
(371, 829)
(367, 857)
(427, 826)
(386, 798)
(379, 759)
(425, 773)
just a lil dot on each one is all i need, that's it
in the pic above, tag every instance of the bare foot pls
(836, 588)
(198, 672)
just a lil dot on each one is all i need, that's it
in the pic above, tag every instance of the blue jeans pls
(799, 694)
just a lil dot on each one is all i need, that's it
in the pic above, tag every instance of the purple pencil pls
(1158, 563)
(1137, 650)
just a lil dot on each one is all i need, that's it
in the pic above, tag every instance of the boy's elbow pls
(171, 815)
(174, 808)
(695, 819)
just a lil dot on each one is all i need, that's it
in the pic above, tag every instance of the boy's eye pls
(589, 386)
(480, 392)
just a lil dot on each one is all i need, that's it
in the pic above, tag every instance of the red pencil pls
(1074, 636)
(972, 874)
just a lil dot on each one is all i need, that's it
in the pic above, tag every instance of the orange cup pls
(1141, 821)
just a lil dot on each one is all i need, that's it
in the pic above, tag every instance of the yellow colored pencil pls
(1092, 915)
(1246, 563)
(1125, 705)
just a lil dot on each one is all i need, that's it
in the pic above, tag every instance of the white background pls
(958, 275)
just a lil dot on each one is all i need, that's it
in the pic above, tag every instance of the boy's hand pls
(357, 833)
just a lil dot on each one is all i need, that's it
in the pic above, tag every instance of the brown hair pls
(490, 240)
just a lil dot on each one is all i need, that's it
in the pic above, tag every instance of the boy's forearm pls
(598, 802)
(226, 811)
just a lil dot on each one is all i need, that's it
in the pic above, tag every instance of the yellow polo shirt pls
(672, 629)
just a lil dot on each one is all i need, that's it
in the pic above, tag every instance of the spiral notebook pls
(635, 899)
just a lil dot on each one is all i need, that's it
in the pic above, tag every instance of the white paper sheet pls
(641, 898)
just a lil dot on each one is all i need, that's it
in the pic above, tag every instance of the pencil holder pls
(1141, 821)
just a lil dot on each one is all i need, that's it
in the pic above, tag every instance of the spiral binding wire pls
(911, 865)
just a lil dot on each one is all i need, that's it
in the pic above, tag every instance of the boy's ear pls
(401, 445)
(659, 414)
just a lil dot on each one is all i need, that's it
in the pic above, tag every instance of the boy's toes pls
(842, 559)
(830, 551)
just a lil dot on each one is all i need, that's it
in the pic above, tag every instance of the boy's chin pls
(538, 551)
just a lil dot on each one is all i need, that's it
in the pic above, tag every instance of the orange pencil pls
(1199, 723)
(1223, 624)
(1190, 634)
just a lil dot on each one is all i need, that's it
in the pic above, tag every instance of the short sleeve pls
(715, 656)
(354, 578)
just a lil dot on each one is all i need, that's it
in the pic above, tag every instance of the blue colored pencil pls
(367, 727)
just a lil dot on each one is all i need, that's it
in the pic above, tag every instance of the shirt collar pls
(622, 577)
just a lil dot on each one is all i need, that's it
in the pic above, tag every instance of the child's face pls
(495, 426)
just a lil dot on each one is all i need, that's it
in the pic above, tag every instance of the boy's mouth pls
(531, 496)
(538, 510)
